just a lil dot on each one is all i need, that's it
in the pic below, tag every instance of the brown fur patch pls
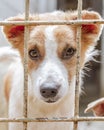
(37, 40)
(65, 37)
(7, 84)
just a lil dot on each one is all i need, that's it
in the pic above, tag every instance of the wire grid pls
(25, 108)
(77, 86)
(76, 117)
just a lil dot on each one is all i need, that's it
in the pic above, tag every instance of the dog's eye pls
(34, 54)
(68, 53)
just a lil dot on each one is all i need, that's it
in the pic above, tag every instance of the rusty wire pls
(25, 94)
(54, 119)
(77, 85)
(32, 23)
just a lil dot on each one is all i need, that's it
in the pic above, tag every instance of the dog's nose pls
(49, 91)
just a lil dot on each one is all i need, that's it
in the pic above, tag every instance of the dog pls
(51, 67)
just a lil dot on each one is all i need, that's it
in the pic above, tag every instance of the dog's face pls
(52, 52)
(55, 57)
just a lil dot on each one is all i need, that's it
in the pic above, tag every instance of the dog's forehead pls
(58, 33)
(49, 33)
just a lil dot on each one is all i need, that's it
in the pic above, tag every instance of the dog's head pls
(52, 51)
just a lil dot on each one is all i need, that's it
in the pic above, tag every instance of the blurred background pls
(94, 81)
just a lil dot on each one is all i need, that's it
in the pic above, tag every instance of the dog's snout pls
(49, 90)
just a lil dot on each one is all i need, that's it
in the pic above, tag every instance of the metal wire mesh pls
(76, 117)
(32, 23)
(77, 87)
(25, 108)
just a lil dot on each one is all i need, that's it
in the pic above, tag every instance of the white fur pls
(8, 54)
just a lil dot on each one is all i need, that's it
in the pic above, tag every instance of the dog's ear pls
(90, 32)
(97, 107)
(15, 33)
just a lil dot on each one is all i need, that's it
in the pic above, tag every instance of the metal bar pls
(77, 86)
(26, 34)
(63, 119)
(32, 23)
(102, 58)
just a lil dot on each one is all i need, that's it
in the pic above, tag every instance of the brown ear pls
(90, 32)
(97, 107)
(14, 33)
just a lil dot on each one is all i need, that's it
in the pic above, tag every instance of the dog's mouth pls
(50, 101)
